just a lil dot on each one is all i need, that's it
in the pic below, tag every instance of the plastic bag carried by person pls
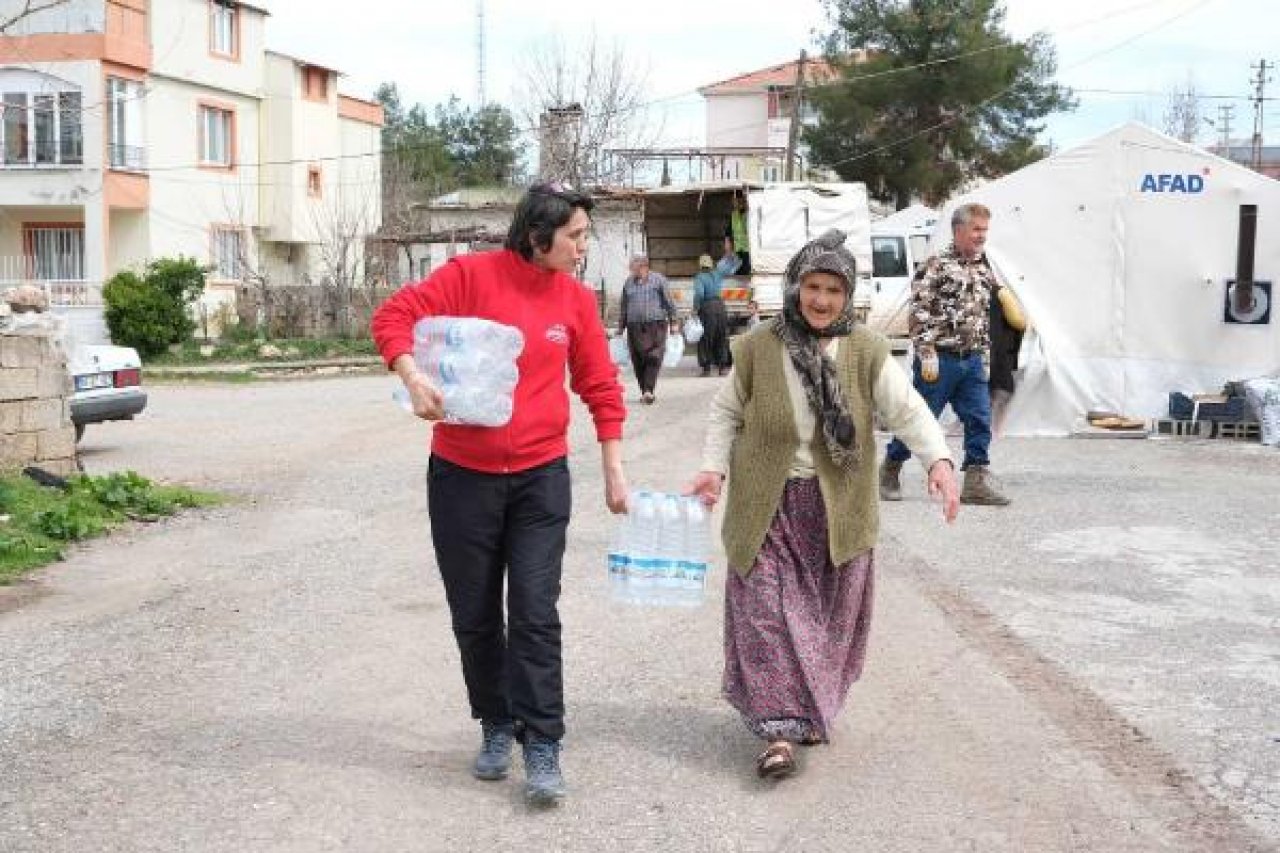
(692, 330)
(675, 350)
(618, 350)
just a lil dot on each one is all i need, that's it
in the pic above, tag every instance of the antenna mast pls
(480, 97)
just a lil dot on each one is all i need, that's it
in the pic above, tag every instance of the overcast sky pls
(1126, 46)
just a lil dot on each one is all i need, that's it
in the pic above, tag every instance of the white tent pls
(913, 218)
(1120, 250)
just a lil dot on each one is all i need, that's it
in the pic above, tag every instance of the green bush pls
(152, 311)
(37, 521)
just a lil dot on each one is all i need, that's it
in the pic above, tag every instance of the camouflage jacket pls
(950, 302)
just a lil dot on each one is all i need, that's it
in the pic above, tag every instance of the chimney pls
(1243, 291)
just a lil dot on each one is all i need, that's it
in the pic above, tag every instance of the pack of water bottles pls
(661, 551)
(473, 363)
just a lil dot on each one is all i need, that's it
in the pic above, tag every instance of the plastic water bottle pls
(671, 547)
(697, 551)
(473, 363)
(446, 365)
(642, 562)
(463, 406)
(659, 553)
(470, 333)
(487, 407)
(620, 558)
(697, 530)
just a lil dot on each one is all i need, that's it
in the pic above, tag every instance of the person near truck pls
(793, 431)
(646, 313)
(949, 324)
(736, 238)
(708, 303)
(499, 497)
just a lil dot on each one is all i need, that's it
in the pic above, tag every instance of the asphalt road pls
(1095, 668)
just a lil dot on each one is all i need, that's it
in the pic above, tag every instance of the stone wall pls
(35, 414)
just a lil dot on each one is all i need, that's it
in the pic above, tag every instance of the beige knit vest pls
(766, 447)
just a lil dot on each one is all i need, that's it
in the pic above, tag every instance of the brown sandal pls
(776, 762)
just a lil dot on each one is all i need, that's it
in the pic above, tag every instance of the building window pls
(54, 252)
(315, 83)
(224, 26)
(124, 125)
(217, 127)
(228, 254)
(41, 129)
(315, 182)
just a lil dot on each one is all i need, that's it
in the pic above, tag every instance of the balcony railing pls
(127, 158)
(68, 151)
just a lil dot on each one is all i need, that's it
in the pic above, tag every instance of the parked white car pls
(107, 385)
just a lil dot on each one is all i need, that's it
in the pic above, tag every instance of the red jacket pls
(561, 327)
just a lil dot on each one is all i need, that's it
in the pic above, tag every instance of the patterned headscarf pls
(804, 343)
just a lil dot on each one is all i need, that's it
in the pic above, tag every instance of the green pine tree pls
(943, 96)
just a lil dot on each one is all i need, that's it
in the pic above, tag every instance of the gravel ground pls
(1091, 669)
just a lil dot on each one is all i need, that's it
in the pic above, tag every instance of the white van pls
(895, 257)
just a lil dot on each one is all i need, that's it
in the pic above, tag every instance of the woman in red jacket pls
(499, 497)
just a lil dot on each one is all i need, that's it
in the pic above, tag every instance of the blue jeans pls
(962, 384)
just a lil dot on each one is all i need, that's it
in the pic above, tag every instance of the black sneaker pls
(544, 784)
(493, 762)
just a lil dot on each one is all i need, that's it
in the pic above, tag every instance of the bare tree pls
(253, 272)
(28, 8)
(401, 198)
(585, 98)
(1183, 114)
(343, 226)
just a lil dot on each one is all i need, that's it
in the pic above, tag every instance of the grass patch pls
(39, 521)
(291, 349)
(235, 377)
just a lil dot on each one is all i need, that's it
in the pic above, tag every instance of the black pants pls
(713, 346)
(647, 343)
(485, 526)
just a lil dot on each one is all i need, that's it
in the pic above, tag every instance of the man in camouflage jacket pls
(950, 328)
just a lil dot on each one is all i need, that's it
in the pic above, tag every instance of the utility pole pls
(1226, 114)
(793, 132)
(1259, 98)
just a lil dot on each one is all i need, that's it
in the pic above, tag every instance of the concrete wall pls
(35, 417)
(617, 233)
(180, 36)
(187, 202)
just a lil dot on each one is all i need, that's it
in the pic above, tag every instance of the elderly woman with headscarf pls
(793, 432)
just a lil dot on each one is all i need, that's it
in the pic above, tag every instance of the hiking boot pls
(543, 782)
(978, 488)
(890, 484)
(493, 762)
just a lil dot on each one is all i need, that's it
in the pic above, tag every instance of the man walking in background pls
(950, 328)
(646, 312)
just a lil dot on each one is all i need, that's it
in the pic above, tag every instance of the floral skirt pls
(795, 628)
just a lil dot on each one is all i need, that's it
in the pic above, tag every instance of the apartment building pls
(137, 129)
(753, 112)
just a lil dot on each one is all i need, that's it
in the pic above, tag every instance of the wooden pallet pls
(1228, 430)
